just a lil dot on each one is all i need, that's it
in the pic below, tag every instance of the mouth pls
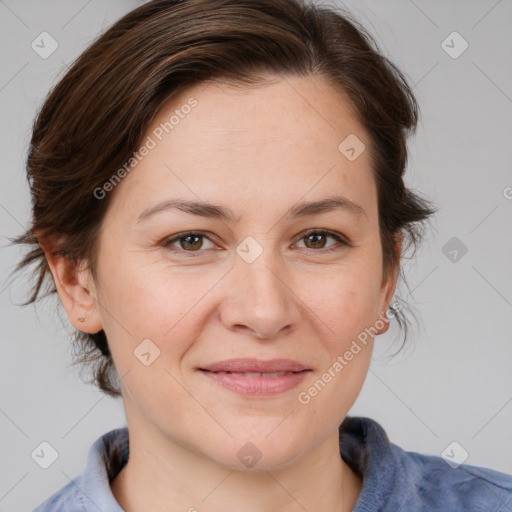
(254, 374)
(256, 378)
(247, 365)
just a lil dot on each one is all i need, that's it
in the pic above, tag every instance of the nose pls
(260, 299)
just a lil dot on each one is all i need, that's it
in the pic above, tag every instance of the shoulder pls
(407, 481)
(433, 482)
(67, 499)
(91, 491)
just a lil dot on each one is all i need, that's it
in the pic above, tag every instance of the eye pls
(316, 238)
(189, 242)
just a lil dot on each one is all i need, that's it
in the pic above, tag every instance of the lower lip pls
(257, 386)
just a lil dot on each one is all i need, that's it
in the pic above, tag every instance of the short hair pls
(94, 118)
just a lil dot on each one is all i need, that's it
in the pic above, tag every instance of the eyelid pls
(327, 232)
(168, 241)
(340, 239)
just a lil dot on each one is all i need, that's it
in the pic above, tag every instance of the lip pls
(256, 365)
(254, 385)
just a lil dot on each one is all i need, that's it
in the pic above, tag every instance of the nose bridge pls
(259, 269)
(263, 276)
(260, 298)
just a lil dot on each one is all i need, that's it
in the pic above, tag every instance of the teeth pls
(257, 374)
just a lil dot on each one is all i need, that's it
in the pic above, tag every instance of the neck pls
(162, 475)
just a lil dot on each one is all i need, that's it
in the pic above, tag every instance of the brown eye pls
(189, 242)
(317, 239)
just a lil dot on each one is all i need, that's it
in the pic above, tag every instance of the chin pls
(259, 452)
(250, 458)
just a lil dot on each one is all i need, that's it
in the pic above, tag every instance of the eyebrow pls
(210, 210)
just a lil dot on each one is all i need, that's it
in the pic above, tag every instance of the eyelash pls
(167, 243)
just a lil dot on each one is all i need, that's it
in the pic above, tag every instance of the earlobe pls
(382, 323)
(76, 291)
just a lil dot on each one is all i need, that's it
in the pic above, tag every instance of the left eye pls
(192, 242)
(316, 238)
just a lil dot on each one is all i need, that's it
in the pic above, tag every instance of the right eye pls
(190, 242)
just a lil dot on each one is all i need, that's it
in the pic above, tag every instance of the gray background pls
(452, 383)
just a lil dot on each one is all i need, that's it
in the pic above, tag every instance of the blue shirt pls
(394, 480)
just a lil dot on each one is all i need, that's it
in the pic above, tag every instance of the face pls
(268, 281)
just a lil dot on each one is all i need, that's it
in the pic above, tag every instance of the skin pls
(257, 151)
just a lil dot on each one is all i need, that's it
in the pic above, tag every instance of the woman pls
(218, 198)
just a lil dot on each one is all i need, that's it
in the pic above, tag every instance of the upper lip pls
(256, 366)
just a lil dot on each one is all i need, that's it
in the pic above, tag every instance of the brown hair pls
(94, 118)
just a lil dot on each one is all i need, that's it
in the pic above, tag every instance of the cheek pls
(150, 328)
(345, 301)
(148, 302)
(145, 298)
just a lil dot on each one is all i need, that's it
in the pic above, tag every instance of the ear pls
(75, 287)
(389, 283)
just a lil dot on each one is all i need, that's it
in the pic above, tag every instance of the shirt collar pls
(106, 458)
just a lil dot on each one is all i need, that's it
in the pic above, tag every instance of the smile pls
(256, 384)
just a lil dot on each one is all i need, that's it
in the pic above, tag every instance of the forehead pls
(304, 112)
(280, 140)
